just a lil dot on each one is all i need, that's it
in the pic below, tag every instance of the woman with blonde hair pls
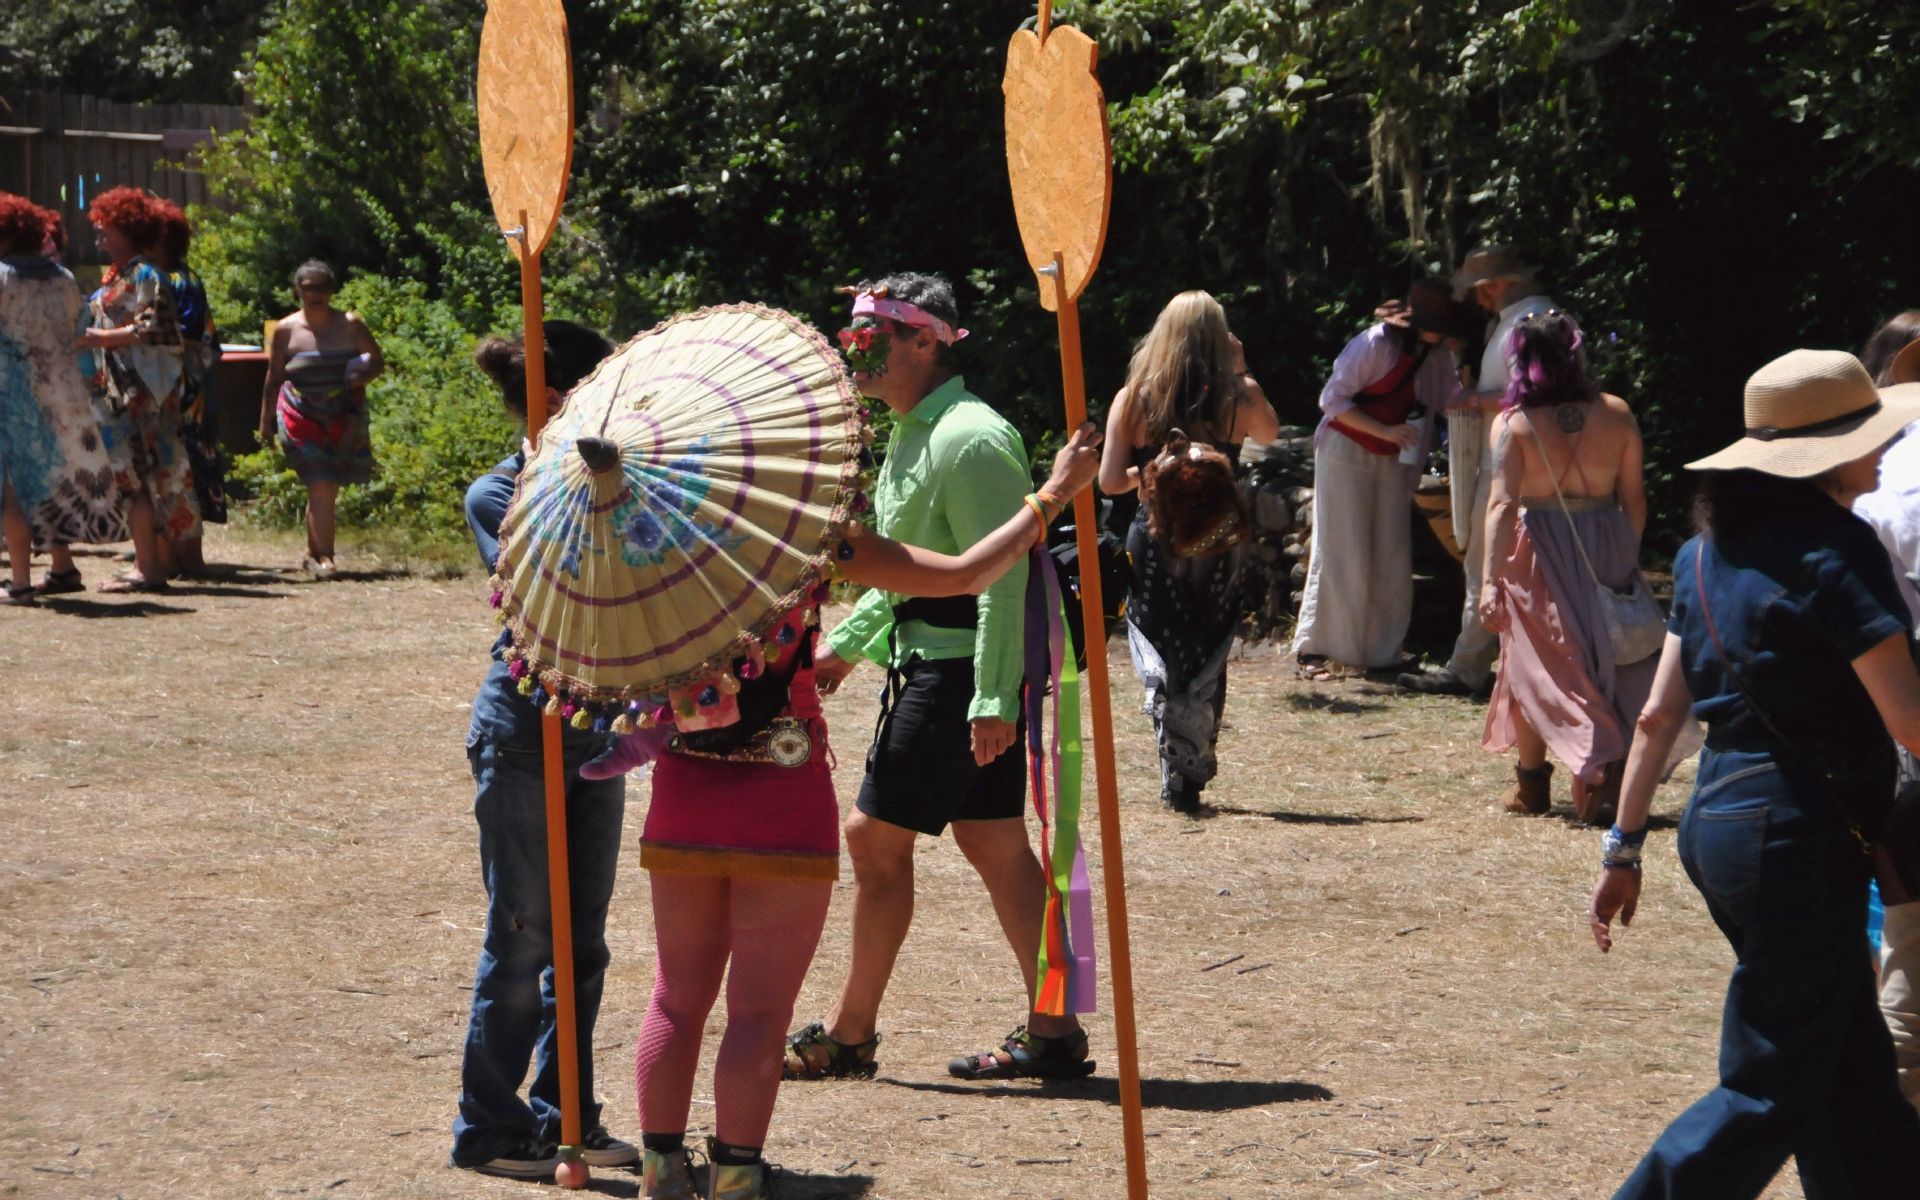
(1188, 378)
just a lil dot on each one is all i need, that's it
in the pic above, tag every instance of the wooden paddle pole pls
(1113, 872)
(559, 880)
(1060, 167)
(525, 108)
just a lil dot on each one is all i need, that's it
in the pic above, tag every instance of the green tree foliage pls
(1705, 184)
(129, 51)
(364, 154)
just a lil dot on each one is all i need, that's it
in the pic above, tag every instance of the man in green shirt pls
(945, 752)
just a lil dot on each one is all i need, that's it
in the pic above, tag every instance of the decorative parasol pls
(685, 500)
(1060, 168)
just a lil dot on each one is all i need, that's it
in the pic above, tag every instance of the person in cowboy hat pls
(1790, 639)
(1497, 279)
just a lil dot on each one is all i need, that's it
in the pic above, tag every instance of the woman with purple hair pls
(1567, 510)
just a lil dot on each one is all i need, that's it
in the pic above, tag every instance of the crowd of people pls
(107, 429)
(1787, 654)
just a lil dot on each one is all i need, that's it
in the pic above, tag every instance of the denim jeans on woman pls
(512, 1020)
(1806, 1064)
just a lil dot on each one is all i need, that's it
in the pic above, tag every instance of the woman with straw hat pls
(1790, 640)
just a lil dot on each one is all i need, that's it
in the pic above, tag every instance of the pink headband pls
(867, 304)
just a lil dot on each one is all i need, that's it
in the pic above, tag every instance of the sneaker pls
(670, 1176)
(751, 1181)
(531, 1159)
(1441, 682)
(602, 1149)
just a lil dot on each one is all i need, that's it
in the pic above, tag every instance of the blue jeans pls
(512, 1017)
(1806, 1064)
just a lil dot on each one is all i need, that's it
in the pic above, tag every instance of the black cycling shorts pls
(920, 769)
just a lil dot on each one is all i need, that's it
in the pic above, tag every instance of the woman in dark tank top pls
(1187, 375)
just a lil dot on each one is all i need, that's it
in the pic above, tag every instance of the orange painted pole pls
(559, 882)
(1086, 522)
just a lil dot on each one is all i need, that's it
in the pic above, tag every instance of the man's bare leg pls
(1004, 858)
(882, 912)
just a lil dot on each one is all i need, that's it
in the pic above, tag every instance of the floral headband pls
(868, 338)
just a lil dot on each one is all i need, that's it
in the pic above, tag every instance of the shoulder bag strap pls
(1554, 477)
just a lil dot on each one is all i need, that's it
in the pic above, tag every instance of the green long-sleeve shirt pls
(955, 471)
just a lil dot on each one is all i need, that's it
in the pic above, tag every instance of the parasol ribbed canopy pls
(686, 497)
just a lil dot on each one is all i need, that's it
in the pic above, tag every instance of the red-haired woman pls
(201, 341)
(138, 355)
(55, 484)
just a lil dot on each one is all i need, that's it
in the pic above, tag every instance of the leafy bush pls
(437, 421)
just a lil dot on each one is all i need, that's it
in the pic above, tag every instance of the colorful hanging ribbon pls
(1066, 943)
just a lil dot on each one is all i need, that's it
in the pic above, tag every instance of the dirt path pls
(240, 908)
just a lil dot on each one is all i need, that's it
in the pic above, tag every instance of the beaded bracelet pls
(1622, 850)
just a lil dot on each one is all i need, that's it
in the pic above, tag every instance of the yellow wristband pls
(1050, 498)
(1033, 502)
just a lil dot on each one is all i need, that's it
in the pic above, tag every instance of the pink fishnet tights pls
(770, 928)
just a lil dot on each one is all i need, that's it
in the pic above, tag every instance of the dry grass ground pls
(239, 912)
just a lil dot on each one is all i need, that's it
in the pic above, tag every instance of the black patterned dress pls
(1181, 616)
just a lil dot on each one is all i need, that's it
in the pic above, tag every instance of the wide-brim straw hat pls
(1487, 264)
(1808, 411)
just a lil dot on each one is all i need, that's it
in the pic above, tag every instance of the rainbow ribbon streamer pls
(1053, 765)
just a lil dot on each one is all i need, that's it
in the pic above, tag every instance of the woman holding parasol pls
(744, 850)
(667, 549)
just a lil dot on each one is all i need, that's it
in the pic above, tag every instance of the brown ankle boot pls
(1532, 790)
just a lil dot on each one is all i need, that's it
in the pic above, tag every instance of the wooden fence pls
(59, 151)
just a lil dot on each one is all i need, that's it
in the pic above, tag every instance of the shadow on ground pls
(1183, 1095)
(1300, 818)
(94, 608)
(1321, 702)
(790, 1185)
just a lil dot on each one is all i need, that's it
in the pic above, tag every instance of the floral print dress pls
(141, 386)
(51, 450)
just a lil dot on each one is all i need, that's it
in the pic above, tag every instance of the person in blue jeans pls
(512, 1020)
(1789, 639)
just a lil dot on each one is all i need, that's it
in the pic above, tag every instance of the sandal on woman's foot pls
(59, 583)
(23, 597)
(812, 1055)
(1024, 1055)
(133, 581)
(1313, 668)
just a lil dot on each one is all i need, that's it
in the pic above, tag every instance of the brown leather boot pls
(1532, 790)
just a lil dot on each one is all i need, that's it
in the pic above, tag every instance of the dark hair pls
(23, 223)
(176, 232)
(1889, 338)
(1548, 366)
(1735, 503)
(929, 292)
(132, 212)
(572, 352)
(314, 266)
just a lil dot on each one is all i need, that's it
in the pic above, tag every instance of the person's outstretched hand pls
(1617, 892)
(632, 751)
(1077, 463)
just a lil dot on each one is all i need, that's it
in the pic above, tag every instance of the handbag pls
(1895, 848)
(1635, 625)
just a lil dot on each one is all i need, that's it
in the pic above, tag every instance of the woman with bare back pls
(1567, 510)
(318, 369)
